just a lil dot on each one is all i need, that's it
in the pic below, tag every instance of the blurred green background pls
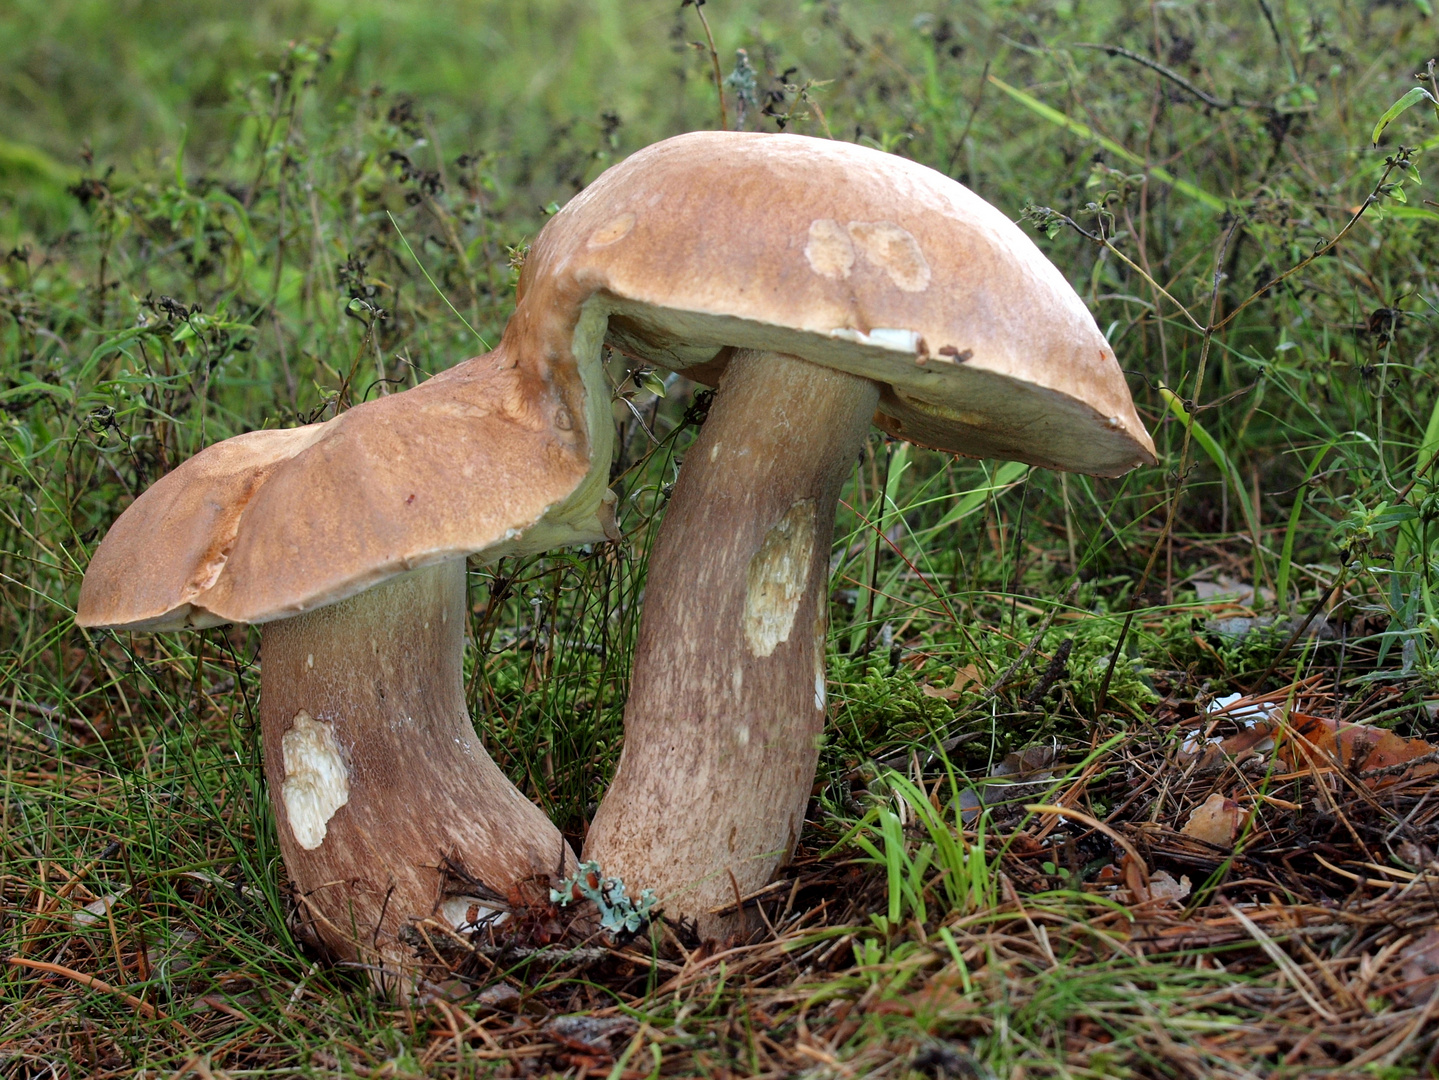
(218, 217)
(129, 81)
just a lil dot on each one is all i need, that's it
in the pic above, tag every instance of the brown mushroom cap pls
(484, 460)
(856, 259)
(839, 254)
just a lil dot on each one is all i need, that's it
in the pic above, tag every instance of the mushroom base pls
(727, 704)
(389, 809)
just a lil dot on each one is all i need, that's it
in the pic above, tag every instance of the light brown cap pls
(853, 258)
(486, 459)
(833, 252)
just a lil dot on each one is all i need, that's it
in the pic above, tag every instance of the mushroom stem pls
(388, 808)
(727, 703)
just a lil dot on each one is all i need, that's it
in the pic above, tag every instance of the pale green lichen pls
(618, 913)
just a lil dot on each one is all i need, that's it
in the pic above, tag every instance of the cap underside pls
(939, 403)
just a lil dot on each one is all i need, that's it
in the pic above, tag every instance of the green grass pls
(217, 223)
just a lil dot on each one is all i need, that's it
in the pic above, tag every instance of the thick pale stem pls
(389, 809)
(726, 707)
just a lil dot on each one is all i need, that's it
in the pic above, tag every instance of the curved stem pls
(388, 807)
(726, 706)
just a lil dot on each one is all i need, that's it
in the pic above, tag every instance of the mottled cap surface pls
(857, 259)
(274, 523)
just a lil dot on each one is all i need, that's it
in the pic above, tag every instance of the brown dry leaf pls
(1031, 763)
(588, 1034)
(1135, 875)
(498, 996)
(1215, 821)
(1360, 747)
(1420, 968)
(965, 677)
(1163, 887)
(1108, 875)
(1416, 855)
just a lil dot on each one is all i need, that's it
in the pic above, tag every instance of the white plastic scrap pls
(1246, 716)
(617, 911)
(96, 910)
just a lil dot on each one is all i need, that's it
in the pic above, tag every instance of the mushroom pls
(825, 286)
(347, 540)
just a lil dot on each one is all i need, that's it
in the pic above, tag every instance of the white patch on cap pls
(776, 577)
(882, 337)
(617, 229)
(829, 250)
(894, 250)
(317, 782)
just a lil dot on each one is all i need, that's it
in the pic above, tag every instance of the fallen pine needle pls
(1307, 990)
(93, 983)
(1376, 882)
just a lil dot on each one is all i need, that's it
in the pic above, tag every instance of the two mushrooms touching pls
(823, 287)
